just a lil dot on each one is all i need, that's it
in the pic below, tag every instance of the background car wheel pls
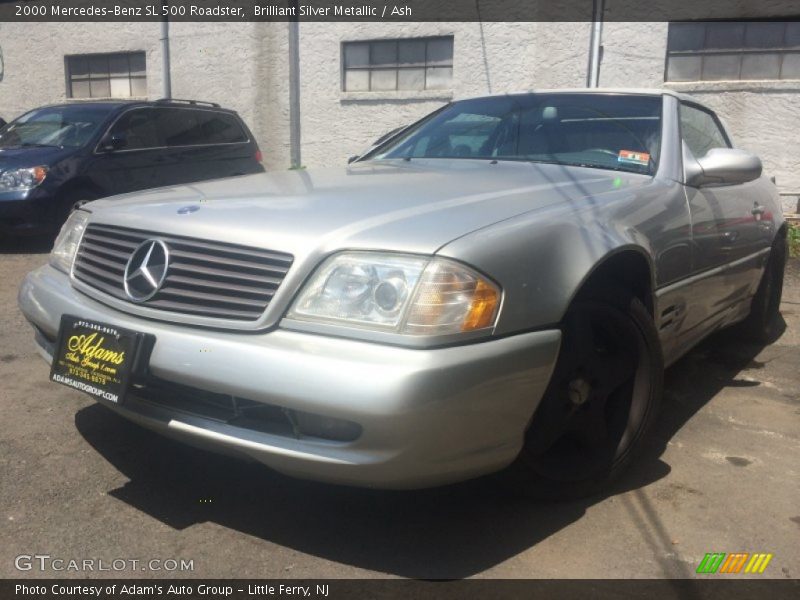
(764, 319)
(602, 398)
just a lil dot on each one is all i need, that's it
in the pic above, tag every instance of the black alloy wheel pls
(603, 396)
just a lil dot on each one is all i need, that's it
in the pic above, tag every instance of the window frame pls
(397, 66)
(199, 114)
(714, 117)
(245, 131)
(107, 117)
(658, 160)
(70, 80)
(740, 53)
(119, 118)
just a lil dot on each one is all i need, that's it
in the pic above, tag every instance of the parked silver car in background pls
(501, 284)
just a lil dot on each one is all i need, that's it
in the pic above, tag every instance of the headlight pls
(15, 180)
(398, 293)
(66, 244)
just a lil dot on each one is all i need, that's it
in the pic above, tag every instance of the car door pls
(726, 237)
(129, 157)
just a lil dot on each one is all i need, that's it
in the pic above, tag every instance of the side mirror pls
(115, 142)
(725, 166)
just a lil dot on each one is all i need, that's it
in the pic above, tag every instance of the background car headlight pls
(22, 179)
(66, 244)
(398, 293)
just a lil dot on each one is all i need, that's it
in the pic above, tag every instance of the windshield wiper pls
(586, 165)
(548, 162)
(37, 145)
(606, 167)
(29, 145)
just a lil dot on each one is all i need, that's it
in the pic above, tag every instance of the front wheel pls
(602, 398)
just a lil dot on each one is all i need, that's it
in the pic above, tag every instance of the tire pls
(763, 322)
(602, 399)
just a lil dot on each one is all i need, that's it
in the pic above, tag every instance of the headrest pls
(549, 113)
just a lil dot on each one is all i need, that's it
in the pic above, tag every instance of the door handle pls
(730, 237)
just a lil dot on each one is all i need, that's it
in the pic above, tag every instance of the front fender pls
(541, 259)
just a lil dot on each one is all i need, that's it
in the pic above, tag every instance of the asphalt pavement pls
(720, 474)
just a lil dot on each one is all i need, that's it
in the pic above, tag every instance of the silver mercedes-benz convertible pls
(500, 284)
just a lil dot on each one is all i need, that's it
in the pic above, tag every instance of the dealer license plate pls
(95, 358)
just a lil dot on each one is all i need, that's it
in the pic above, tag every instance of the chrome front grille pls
(204, 278)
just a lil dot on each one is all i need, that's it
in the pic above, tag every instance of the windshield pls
(70, 126)
(606, 131)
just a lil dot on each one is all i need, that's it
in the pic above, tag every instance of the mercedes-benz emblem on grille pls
(146, 270)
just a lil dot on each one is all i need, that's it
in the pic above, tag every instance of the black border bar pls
(392, 11)
(707, 587)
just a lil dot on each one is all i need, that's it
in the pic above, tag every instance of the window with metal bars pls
(733, 51)
(403, 64)
(118, 75)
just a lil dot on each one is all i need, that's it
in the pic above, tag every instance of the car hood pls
(410, 206)
(15, 156)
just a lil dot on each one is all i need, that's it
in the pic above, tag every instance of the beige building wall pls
(34, 58)
(245, 66)
(762, 116)
(487, 58)
(242, 66)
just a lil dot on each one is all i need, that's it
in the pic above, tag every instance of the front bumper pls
(428, 417)
(26, 213)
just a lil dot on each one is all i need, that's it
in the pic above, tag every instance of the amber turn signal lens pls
(483, 308)
(451, 298)
(39, 173)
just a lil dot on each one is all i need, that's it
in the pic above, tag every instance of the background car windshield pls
(70, 126)
(605, 131)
